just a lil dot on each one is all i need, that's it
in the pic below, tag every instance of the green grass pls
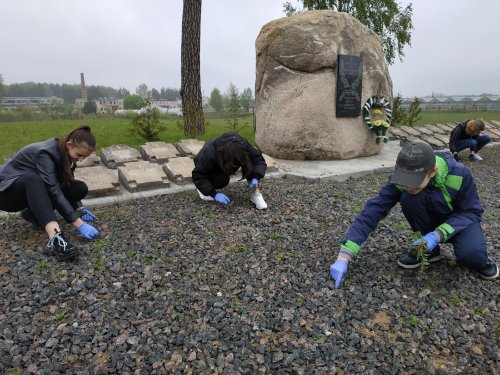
(108, 132)
(443, 117)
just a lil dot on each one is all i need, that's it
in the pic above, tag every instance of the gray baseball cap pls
(413, 163)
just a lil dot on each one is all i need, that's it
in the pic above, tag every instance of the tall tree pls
(142, 91)
(246, 99)
(390, 21)
(192, 108)
(216, 100)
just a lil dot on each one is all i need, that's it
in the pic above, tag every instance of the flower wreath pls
(380, 110)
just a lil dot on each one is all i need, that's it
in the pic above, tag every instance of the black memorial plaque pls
(349, 77)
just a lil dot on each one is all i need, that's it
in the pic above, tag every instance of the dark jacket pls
(453, 196)
(459, 133)
(205, 163)
(44, 159)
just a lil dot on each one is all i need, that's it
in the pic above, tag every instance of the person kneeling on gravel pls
(39, 178)
(220, 158)
(438, 197)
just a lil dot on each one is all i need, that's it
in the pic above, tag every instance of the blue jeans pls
(469, 245)
(472, 144)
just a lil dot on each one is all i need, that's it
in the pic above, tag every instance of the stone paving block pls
(450, 125)
(493, 136)
(117, 155)
(424, 130)
(189, 147)
(410, 130)
(271, 164)
(437, 129)
(90, 161)
(397, 133)
(446, 128)
(158, 152)
(101, 181)
(496, 123)
(142, 175)
(434, 142)
(179, 169)
(408, 139)
(445, 138)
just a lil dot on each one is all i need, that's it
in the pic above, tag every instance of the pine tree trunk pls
(192, 109)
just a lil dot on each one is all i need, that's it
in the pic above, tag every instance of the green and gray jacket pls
(454, 196)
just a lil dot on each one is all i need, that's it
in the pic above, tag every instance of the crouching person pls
(39, 179)
(222, 157)
(439, 199)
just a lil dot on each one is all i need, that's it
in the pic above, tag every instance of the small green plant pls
(414, 321)
(207, 212)
(403, 224)
(283, 255)
(62, 274)
(42, 265)
(275, 236)
(356, 208)
(479, 311)
(319, 338)
(238, 249)
(99, 246)
(235, 302)
(146, 124)
(14, 371)
(59, 316)
(131, 254)
(211, 234)
(420, 252)
(455, 299)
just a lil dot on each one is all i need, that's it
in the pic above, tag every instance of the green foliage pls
(246, 99)
(238, 249)
(133, 102)
(41, 266)
(414, 321)
(59, 316)
(216, 101)
(420, 252)
(392, 23)
(399, 115)
(142, 91)
(89, 107)
(275, 236)
(413, 114)
(146, 124)
(233, 108)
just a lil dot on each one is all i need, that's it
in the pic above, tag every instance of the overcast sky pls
(123, 43)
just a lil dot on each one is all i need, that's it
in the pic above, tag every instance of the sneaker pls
(259, 201)
(490, 271)
(61, 248)
(409, 260)
(475, 157)
(204, 197)
(27, 215)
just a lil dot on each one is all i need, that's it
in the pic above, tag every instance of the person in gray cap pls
(439, 199)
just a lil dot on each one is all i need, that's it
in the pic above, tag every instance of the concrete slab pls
(100, 181)
(425, 130)
(495, 122)
(410, 130)
(491, 133)
(397, 132)
(437, 129)
(450, 125)
(445, 138)
(271, 163)
(179, 169)
(434, 142)
(90, 161)
(142, 175)
(189, 147)
(339, 170)
(117, 155)
(158, 152)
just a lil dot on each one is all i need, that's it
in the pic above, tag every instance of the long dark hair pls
(233, 155)
(80, 135)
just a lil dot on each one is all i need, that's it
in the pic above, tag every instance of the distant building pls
(104, 105)
(35, 103)
(456, 103)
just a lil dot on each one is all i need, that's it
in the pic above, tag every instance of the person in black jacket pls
(39, 178)
(222, 157)
(466, 135)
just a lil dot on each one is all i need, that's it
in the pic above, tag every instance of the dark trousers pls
(29, 191)
(469, 245)
(472, 144)
(219, 181)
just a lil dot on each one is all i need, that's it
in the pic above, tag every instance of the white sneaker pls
(204, 197)
(476, 157)
(259, 201)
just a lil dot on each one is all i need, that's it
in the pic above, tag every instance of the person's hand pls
(431, 239)
(338, 271)
(455, 155)
(221, 198)
(88, 231)
(87, 215)
(253, 184)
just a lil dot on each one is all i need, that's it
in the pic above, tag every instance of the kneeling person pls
(438, 197)
(220, 158)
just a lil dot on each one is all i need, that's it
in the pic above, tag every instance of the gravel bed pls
(177, 285)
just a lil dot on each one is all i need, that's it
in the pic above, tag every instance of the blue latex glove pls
(253, 184)
(338, 271)
(431, 239)
(88, 231)
(87, 215)
(221, 198)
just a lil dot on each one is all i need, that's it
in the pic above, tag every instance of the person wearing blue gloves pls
(467, 135)
(39, 179)
(220, 158)
(439, 199)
